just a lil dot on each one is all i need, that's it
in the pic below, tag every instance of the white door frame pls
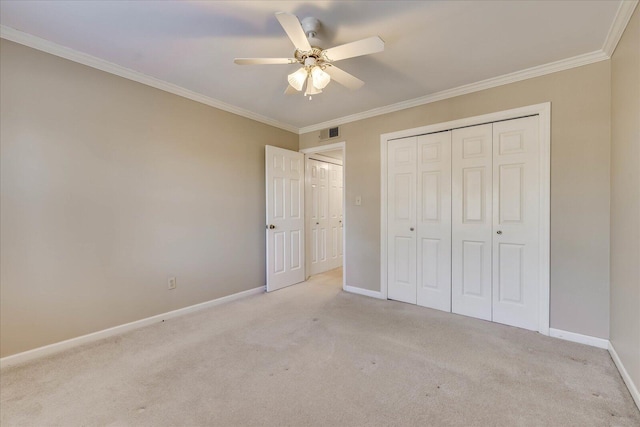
(544, 112)
(319, 149)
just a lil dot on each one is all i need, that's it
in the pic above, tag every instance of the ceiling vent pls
(330, 133)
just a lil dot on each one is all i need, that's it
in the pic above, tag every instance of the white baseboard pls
(579, 338)
(625, 375)
(361, 291)
(105, 333)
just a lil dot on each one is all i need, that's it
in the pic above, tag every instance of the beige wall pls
(109, 187)
(580, 148)
(625, 198)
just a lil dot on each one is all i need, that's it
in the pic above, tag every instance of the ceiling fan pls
(317, 64)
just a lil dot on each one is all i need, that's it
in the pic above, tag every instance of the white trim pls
(633, 389)
(117, 330)
(322, 148)
(361, 291)
(623, 15)
(540, 70)
(319, 149)
(325, 159)
(544, 112)
(43, 45)
(579, 338)
(619, 24)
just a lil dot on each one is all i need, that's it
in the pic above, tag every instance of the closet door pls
(318, 193)
(472, 221)
(516, 187)
(335, 215)
(401, 220)
(434, 221)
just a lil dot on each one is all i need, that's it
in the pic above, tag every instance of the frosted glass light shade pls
(320, 78)
(311, 89)
(297, 79)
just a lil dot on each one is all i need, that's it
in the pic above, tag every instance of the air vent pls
(330, 133)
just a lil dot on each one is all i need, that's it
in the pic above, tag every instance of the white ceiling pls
(431, 46)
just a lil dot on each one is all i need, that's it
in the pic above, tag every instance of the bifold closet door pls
(472, 201)
(516, 216)
(401, 220)
(434, 221)
(318, 207)
(335, 215)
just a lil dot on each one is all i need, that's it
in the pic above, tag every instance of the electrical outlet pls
(172, 283)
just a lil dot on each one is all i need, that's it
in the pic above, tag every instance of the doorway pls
(325, 218)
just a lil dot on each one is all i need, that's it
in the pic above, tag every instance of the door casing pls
(544, 112)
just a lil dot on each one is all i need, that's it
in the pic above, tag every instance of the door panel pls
(434, 221)
(471, 221)
(318, 186)
(324, 186)
(516, 218)
(335, 215)
(401, 208)
(285, 217)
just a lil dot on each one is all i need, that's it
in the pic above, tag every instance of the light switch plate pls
(358, 200)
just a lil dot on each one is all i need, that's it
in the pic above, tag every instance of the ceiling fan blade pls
(359, 48)
(290, 90)
(344, 78)
(264, 61)
(292, 27)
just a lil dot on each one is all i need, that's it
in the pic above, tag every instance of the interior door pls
(335, 215)
(284, 171)
(434, 220)
(318, 186)
(401, 209)
(516, 214)
(471, 244)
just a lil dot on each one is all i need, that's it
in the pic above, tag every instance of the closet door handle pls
(411, 229)
(499, 232)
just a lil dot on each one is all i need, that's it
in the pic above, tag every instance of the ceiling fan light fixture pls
(297, 79)
(311, 88)
(320, 78)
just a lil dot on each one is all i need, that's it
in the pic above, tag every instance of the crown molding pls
(623, 15)
(540, 70)
(47, 46)
(619, 24)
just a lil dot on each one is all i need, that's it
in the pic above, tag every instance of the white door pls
(318, 203)
(471, 221)
(516, 212)
(335, 215)
(401, 208)
(284, 171)
(434, 220)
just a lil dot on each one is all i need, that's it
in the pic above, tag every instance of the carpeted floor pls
(312, 354)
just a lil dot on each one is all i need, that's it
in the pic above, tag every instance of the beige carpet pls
(314, 355)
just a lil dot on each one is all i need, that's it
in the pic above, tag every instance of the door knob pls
(317, 223)
(271, 226)
(411, 229)
(499, 232)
